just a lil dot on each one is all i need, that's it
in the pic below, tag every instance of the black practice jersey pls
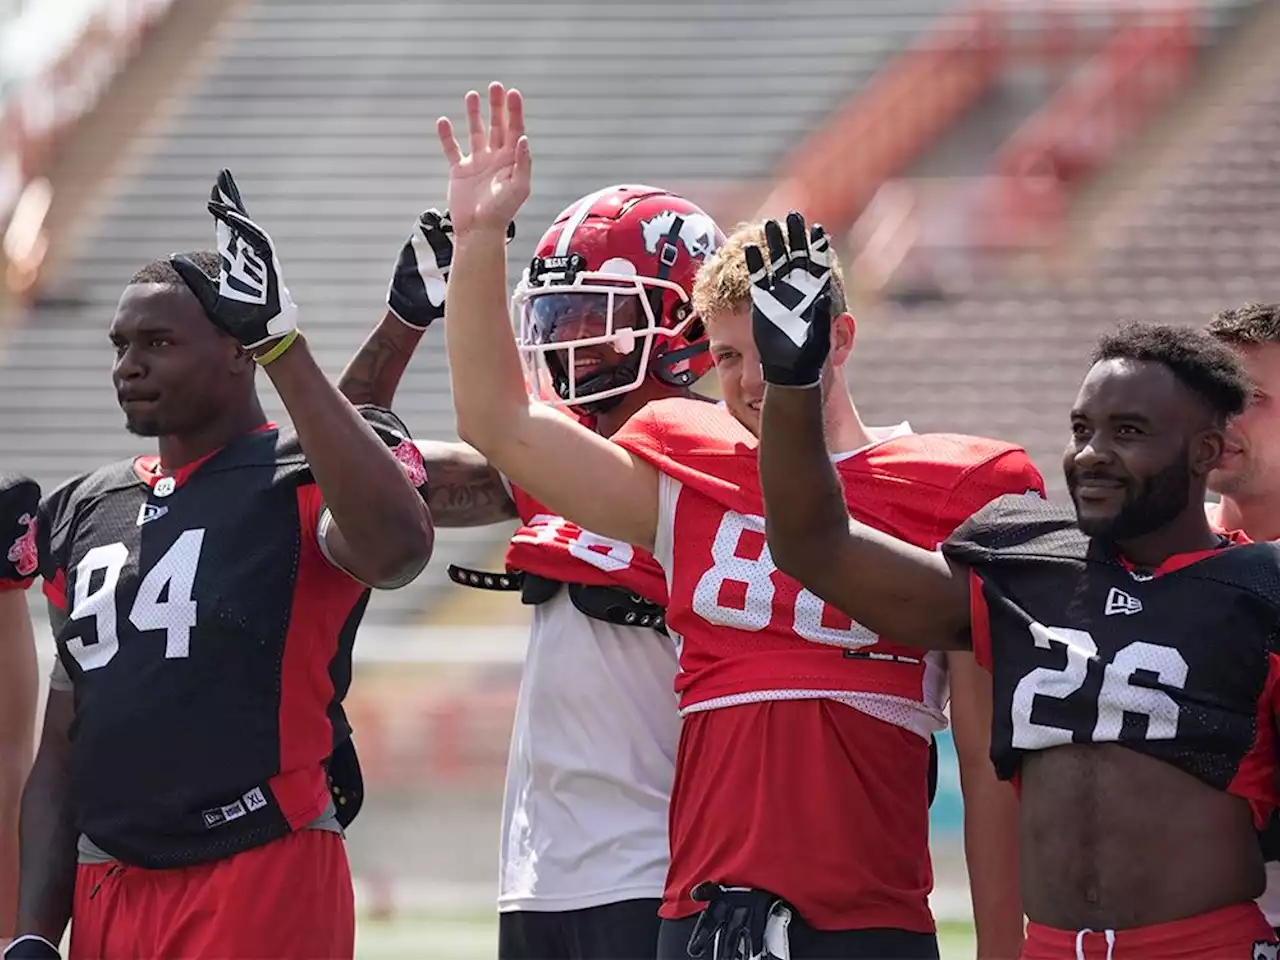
(208, 640)
(1179, 663)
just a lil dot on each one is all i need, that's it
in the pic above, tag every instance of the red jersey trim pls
(55, 590)
(306, 688)
(979, 621)
(1180, 561)
(1255, 779)
(148, 469)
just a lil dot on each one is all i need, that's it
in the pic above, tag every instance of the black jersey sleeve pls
(1014, 527)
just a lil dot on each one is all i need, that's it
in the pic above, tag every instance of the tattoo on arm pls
(463, 490)
(374, 373)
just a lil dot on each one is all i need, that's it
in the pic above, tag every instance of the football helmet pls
(605, 301)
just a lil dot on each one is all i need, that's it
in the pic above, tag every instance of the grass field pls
(475, 937)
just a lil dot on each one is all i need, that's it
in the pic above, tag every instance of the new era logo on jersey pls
(150, 511)
(1120, 602)
(250, 802)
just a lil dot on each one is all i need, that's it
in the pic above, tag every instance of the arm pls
(380, 530)
(47, 874)
(540, 449)
(890, 587)
(990, 815)
(18, 693)
(374, 372)
(893, 588)
(464, 490)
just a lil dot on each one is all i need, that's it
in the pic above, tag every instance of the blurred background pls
(1003, 179)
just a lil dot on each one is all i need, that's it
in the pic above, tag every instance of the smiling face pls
(737, 361)
(174, 371)
(1139, 440)
(1250, 466)
(737, 365)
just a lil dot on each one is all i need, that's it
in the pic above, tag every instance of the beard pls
(1153, 504)
(143, 426)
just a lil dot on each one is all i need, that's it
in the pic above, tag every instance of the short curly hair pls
(162, 271)
(1249, 326)
(723, 284)
(1201, 362)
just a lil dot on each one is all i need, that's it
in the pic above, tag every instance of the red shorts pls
(828, 809)
(1226, 934)
(290, 898)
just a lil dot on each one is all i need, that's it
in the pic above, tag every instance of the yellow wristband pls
(275, 352)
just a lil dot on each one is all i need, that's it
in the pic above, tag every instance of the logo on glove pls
(23, 554)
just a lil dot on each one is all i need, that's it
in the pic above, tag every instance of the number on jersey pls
(1118, 695)
(601, 552)
(172, 577)
(739, 590)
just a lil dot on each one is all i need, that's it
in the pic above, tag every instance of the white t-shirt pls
(593, 752)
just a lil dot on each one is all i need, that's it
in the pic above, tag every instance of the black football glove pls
(791, 304)
(250, 301)
(416, 294)
(19, 499)
(740, 923)
(31, 947)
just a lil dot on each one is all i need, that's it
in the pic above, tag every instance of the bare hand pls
(487, 187)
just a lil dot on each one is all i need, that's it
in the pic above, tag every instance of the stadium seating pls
(1005, 355)
(325, 112)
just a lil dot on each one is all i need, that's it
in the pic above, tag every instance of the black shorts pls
(627, 930)
(809, 944)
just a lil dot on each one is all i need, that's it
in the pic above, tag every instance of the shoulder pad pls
(1017, 526)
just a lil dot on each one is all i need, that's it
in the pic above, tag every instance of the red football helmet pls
(605, 301)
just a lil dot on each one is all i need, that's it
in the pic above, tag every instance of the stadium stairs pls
(325, 110)
(1182, 226)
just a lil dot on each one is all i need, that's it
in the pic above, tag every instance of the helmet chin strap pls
(620, 375)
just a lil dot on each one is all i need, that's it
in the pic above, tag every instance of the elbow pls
(483, 432)
(406, 555)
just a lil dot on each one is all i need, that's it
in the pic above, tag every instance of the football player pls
(1248, 478)
(19, 499)
(793, 715)
(204, 602)
(583, 851)
(1133, 648)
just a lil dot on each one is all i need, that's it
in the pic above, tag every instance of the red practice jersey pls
(803, 760)
(553, 547)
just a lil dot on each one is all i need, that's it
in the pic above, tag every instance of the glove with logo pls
(250, 301)
(19, 499)
(791, 304)
(740, 923)
(416, 295)
(31, 947)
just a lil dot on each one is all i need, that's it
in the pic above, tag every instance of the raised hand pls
(791, 304)
(490, 184)
(250, 300)
(417, 290)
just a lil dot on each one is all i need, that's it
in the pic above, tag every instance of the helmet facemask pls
(587, 338)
